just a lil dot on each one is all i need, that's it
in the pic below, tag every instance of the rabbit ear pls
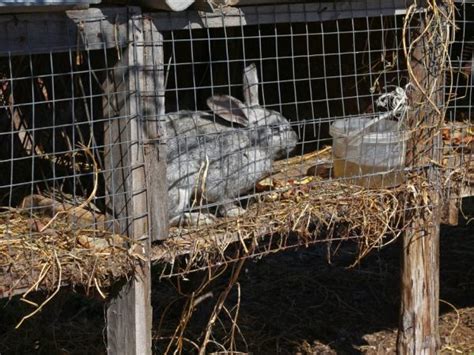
(228, 108)
(250, 85)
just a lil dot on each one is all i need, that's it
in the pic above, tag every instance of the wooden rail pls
(60, 31)
(268, 14)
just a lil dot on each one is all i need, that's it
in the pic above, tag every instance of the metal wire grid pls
(72, 187)
(58, 111)
(462, 52)
(311, 73)
(459, 133)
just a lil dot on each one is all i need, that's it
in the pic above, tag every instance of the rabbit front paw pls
(231, 210)
(193, 219)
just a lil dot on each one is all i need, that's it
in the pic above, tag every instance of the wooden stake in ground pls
(426, 55)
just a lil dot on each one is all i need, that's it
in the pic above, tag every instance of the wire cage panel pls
(255, 105)
(458, 132)
(302, 78)
(72, 187)
(258, 104)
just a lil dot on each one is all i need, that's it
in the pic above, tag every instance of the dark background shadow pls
(296, 300)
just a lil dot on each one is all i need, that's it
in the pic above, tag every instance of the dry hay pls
(300, 210)
(313, 210)
(458, 151)
(33, 257)
(60, 244)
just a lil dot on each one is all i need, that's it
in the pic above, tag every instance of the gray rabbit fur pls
(215, 161)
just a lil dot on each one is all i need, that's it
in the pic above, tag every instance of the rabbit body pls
(214, 159)
(217, 164)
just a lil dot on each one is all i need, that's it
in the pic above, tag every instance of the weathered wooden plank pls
(129, 314)
(419, 309)
(153, 98)
(18, 8)
(212, 5)
(168, 5)
(220, 3)
(56, 32)
(253, 15)
(450, 212)
(23, 285)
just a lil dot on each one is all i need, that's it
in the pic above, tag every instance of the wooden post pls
(153, 98)
(450, 214)
(418, 330)
(129, 314)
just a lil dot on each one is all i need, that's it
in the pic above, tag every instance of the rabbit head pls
(267, 128)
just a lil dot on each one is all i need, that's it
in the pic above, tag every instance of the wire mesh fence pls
(69, 153)
(340, 181)
(284, 125)
(458, 131)
(310, 73)
(287, 131)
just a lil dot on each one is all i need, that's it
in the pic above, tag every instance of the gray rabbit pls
(215, 161)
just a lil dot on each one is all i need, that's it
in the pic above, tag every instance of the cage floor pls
(301, 205)
(33, 257)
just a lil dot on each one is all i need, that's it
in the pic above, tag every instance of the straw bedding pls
(33, 258)
(295, 208)
(300, 206)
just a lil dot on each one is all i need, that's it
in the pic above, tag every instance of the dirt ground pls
(289, 303)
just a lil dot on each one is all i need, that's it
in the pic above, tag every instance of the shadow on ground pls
(297, 302)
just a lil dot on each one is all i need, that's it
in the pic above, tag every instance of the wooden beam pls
(153, 97)
(19, 8)
(129, 314)
(221, 3)
(419, 309)
(168, 5)
(450, 210)
(90, 29)
(268, 14)
(450, 213)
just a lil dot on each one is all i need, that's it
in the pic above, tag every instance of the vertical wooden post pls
(450, 214)
(129, 314)
(418, 330)
(153, 98)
